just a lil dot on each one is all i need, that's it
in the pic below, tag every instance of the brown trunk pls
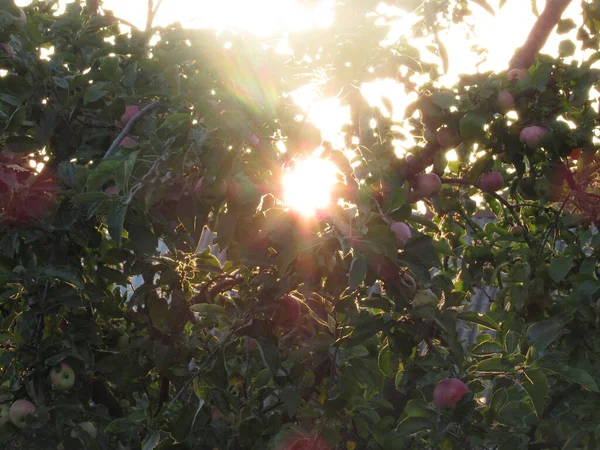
(539, 34)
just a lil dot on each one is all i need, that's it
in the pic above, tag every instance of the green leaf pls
(485, 5)
(480, 319)
(541, 334)
(495, 365)
(384, 361)
(95, 92)
(291, 398)
(419, 408)
(536, 386)
(412, 425)
(210, 311)
(565, 25)
(574, 441)
(90, 197)
(123, 171)
(578, 376)
(173, 123)
(104, 172)
(115, 219)
(110, 68)
(487, 348)
(566, 48)
(269, 352)
(151, 441)
(64, 273)
(471, 126)
(560, 267)
(358, 271)
(119, 426)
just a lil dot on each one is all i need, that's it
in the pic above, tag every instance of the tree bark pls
(524, 56)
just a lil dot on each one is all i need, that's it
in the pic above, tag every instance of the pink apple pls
(19, 410)
(113, 190)
(128, 142)
(448, 392)
(430, 136)
(533, 135)
(506, 101)
(130, 111)
(402, 232)
(446, 138)
(62, 377)
(8, 49)
(516, 74)
(427, 185)
(491, 182)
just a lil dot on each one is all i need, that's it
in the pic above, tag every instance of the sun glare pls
(307, 186)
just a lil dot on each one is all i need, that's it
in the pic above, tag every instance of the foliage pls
(210, 354)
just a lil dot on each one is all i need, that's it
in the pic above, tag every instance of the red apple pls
(128, 142)
(427, 185)
(8, 49)
(516, 74)
(506, 101)
(446, 138)
(292, 308)
(448, 392)
(576, 153)
(19, 410)
(253, 139)
(62, 377)
(491, 181)
(402, 231)
(533, 136)
(409, 283)
(130, 111)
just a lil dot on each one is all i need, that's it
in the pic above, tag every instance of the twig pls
(145, 110)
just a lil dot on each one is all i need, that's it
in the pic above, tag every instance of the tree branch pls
(115, 145)
(539, 34)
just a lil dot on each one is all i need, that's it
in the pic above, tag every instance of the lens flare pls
(307, 186)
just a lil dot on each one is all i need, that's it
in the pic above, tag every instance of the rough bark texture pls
(539, 34)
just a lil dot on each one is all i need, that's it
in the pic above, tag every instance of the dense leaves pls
(198, 312)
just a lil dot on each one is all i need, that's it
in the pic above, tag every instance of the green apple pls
(62, 377)
(19, 410)
(425, 297)
(4, 413)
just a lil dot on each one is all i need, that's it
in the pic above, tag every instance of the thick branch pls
(539, 34)
(115, 145)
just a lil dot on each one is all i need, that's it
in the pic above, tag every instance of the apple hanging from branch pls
(19, 410)
(62, 377)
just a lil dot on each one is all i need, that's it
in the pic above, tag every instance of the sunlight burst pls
(307, 186)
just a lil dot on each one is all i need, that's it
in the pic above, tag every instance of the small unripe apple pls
(491, 181)
(506, 101)
(533, 136)
(8, 49)
(402, 232)
(425, 297)
(88, 427)
(516, 74)
(130, 111)
(19, 410)
(128, 142)
(448, 392)
(4, 414)
(427, 185)
(446, 138)
(210, 192)
(253, 139)
(62, 377)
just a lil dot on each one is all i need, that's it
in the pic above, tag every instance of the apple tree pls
(123, 150)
